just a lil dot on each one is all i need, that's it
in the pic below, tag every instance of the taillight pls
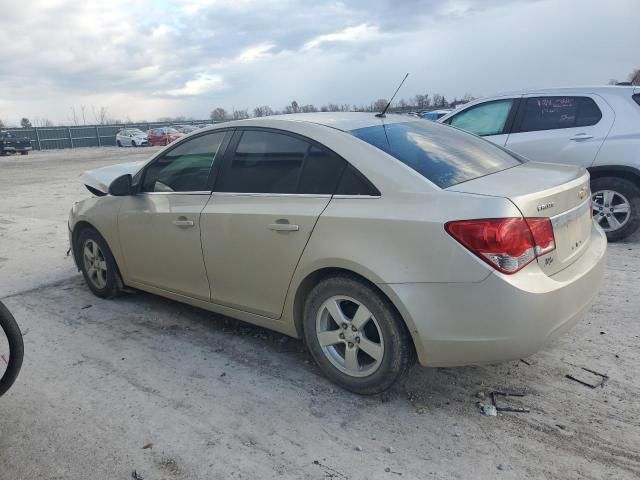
(507, 244)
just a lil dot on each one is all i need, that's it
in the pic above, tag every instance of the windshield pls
(136, 131)
(172, 131)
(446, 156)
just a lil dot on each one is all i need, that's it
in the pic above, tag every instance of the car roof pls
(600, 89)
(344, 121)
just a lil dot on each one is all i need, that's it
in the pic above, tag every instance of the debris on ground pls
(136, 476)
(508, 408)
(487, 410)
(599, 383)
(86, 306)
(147, 446)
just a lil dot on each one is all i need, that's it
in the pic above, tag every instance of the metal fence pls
(49, 138)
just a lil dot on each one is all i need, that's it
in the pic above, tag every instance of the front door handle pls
(283, 226)
(581, 136)
(183, 222)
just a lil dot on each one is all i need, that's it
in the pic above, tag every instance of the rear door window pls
(278, 163)
(551, 113)
(487, 118)
(443, 155)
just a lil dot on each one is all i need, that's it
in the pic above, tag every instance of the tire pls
(380, 328)
(133, 143)
(119, 143)
(622, 192)
(16, 349)
(24, 153)
(97, 264)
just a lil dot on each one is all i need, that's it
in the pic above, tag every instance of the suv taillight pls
(507, 244)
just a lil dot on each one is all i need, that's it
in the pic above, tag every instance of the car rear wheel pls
(119, 143)
(98, 265)
(133, 143)
(356, 336)
(616, 206)
(24, 153)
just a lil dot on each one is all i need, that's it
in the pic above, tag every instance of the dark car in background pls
(12, 143)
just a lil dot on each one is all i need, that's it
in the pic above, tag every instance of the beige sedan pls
(376, 240)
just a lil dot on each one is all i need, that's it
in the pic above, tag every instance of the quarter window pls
(550, 113)
(484, 119)
(185, 168)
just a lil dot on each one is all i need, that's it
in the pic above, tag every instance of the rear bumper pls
(503, 317)
(14, 148)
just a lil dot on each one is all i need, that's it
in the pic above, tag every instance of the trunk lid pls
(559, 192)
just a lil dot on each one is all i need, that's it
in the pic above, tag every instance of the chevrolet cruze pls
(378, 241)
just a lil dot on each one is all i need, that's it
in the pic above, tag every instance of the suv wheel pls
(356, 336)
(616, 206)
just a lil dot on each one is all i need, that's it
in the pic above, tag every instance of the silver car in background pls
(132, 137)
(376, 240)
(597, 128)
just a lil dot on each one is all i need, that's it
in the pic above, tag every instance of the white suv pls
(595, 127)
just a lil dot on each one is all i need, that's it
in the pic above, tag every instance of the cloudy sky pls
(144, 59)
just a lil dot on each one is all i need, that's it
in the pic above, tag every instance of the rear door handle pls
(183, 222)
(581, 136)
(284, 227)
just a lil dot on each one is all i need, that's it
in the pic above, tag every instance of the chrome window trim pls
(198, 192)
(362, 197)
(247, 194)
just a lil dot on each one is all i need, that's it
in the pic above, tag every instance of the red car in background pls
(163, 136)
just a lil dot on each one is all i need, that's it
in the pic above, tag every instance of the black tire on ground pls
(399, 354)
(133, 143)
(112, 281)
(10, 328)
(118, 143)
(24, 153)
(631, 192)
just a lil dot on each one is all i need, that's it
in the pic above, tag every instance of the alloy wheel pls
(95, 264)
(611, 209)
(350, 336)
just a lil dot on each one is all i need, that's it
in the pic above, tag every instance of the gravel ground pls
(213, 398)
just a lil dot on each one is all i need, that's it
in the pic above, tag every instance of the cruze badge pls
(545, 206)
(582, 194)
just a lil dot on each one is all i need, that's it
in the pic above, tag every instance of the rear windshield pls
(444, 155)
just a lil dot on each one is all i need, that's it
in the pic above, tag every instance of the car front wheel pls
(356, 336)
(98, 265)
(616, 206)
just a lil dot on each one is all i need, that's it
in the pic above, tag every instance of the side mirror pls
(121, 186)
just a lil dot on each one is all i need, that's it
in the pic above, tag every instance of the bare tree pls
(240, 114)
(467, 97)
(634, 77)
(612, 81)
(218, 114)
(1, 124)
(379, 105)
(308, 108)
(263, 111)
(100, 115)
(25, 123)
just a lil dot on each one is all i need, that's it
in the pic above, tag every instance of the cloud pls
(349, 34)
(185, 57)
(199, 86)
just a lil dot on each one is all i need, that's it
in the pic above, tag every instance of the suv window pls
(445, 156)
(185, 168)
(270, 162)
(485, 119)
(550, 113)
